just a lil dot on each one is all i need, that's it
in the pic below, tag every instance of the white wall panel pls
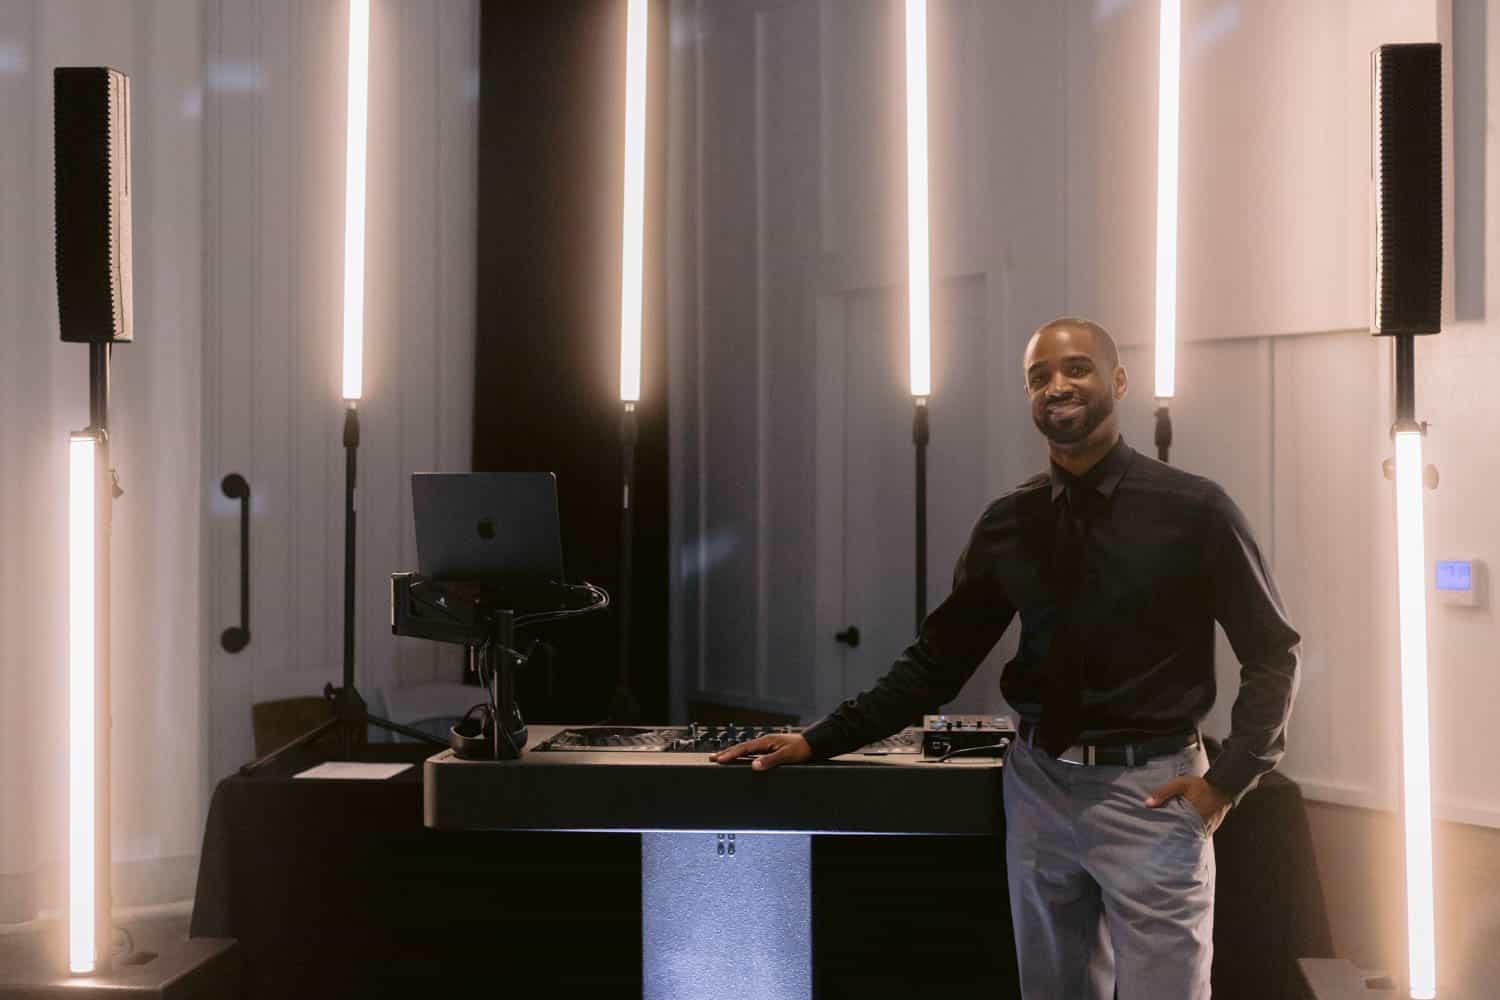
(1457, 375)
(1335, 558)
(34, 425)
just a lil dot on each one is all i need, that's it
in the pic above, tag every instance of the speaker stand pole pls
(105, 493)
(1163, 430)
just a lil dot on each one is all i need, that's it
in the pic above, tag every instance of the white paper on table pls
(352, 769)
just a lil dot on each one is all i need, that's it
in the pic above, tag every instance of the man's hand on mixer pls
(766, 752)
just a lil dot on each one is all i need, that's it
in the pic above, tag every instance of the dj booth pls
(615, 875)
(620, 862)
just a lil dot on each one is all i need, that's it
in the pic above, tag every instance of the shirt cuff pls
(1235, 772)
(825, 739)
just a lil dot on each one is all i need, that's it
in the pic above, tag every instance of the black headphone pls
(473, 736)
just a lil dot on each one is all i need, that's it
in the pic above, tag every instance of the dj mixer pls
(695, 738)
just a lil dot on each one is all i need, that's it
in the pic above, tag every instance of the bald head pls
(1104, 350)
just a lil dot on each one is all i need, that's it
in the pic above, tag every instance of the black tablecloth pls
(337, 889)
(1268, 903)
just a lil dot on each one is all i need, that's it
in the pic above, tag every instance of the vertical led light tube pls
(1167, 127)
(917, 239)
(356, 143)
(631, 268)
(82, 729)
(1416, 768)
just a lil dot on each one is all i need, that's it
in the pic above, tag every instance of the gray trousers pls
(1105, 891)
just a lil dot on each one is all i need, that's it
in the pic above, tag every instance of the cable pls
(600, 602)
(485, 650)
(963, 750)
(516, 746)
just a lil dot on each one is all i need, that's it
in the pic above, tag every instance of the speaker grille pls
(91, 130)
(1408, 162)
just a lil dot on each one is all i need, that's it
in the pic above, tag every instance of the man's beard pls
(1075, 429)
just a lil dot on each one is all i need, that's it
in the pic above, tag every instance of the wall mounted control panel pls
(1460, 582)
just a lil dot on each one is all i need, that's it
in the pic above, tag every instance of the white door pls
(866, 558)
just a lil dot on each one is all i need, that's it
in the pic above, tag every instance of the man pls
(1118, 565)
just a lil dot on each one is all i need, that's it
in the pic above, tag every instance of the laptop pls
(497, 528)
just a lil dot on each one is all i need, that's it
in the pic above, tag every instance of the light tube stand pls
(920, 435)
(623, 706)
(1416, 764)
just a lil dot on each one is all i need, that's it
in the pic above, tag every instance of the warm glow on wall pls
(1168, 87)
(916, 198)
(81, 724)
(1416, 765)
(354, 197)
(631, 269)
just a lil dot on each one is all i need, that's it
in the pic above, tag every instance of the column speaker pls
(91, 124)
(1407, 160)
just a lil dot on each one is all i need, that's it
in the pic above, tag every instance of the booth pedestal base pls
(726, 914)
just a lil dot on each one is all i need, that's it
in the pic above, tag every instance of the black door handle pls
(237, 637)
(849, 637)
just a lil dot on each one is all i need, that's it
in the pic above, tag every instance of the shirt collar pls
(1102, 477)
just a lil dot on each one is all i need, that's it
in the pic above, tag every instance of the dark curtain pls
(551, 195)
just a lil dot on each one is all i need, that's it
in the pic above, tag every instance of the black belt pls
(1127, 754)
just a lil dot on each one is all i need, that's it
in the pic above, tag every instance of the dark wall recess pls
(551, 194)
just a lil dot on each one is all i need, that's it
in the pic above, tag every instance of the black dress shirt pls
(1166, 555)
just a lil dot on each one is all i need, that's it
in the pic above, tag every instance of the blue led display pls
(1454, 575)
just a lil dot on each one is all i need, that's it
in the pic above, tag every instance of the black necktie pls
(1062, 679)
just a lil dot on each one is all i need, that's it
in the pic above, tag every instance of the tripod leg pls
(397, 727)
(312, 734)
